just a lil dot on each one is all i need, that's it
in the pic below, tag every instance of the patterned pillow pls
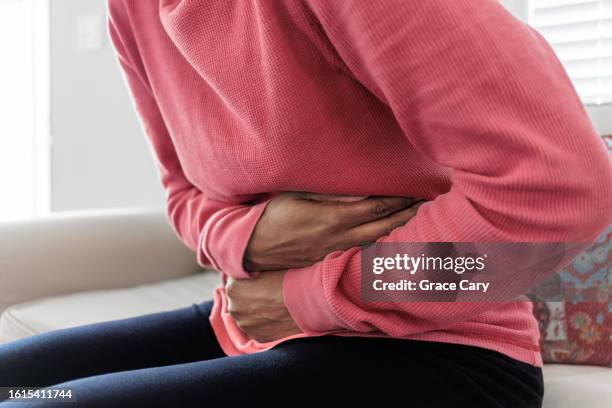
(578, 330)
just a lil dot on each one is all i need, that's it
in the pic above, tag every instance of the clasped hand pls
(296, 230)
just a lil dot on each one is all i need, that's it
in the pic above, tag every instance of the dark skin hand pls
(297, 230)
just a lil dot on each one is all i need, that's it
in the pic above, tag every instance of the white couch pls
(87, 267)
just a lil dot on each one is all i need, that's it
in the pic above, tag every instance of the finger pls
(371, 231)
(329, 197)
(371, 209)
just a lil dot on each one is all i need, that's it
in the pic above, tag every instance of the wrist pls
(226, 236)
(305, 300)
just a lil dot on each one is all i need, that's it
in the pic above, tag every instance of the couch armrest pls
(87, 250)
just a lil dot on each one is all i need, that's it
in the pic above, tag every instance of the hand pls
(257, 306)
(299, 229)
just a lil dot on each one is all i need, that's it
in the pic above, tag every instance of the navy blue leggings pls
(172, 359)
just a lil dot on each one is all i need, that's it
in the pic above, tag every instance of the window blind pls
(580, 32)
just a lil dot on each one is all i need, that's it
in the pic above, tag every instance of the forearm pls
(329, 295)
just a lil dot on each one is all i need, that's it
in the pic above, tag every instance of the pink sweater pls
(454, 101)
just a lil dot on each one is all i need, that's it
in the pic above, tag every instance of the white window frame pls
(42, 107)
(40, 113)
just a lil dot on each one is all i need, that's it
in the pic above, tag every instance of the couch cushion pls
(566, 385)
(60, 312)
(571, 386)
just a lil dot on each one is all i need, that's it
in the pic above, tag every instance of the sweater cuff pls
(305, 299)
(226, 236)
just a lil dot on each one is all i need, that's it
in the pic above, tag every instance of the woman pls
(271, 121)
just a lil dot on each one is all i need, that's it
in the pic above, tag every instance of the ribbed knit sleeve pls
(478, 91)
(217, 231)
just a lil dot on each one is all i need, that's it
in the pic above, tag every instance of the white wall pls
(517, 7)
(99, 156)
